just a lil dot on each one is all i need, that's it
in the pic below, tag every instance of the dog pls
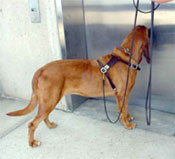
(63, 77)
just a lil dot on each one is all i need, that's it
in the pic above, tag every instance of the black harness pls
(113, 61)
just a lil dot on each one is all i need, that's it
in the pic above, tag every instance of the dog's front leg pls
(124, 117)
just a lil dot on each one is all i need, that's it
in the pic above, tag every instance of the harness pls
(126, 50)
(113, 61)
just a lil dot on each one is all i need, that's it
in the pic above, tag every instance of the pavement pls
(86, 134)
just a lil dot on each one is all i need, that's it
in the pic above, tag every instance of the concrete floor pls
(161, 122)
(84, 134)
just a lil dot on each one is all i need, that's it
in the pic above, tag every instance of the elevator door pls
(106, 25)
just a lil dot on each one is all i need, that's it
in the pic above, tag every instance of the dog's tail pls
(28, 109)
(33, 102)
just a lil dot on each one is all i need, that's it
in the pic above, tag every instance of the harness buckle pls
(104, 69)
(136, 67)
(127, 50)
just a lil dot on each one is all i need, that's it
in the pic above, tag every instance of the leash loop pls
(145, 12)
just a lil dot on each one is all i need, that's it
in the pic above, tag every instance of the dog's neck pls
(136, 55)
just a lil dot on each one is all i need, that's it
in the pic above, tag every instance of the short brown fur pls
(56, 79)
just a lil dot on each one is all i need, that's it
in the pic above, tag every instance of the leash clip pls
(104, 69)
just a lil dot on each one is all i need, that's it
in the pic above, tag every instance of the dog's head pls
(141, 42)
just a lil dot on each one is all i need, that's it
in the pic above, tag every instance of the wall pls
(25, 46)
(74, 39)
(1, 90)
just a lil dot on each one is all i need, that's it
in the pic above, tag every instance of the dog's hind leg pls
(32, 127)
(49, 124)
(43, 113)
(47, 102)
(58, 97)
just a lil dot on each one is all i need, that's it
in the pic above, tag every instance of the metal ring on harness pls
(104, 69)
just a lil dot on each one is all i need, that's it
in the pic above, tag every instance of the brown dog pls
(56, 79)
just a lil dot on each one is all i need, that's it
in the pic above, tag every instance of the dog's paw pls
(35, 143)
(130, 126)
(52, 125)
(130, 117)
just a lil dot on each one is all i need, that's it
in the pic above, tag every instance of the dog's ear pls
(146, 51)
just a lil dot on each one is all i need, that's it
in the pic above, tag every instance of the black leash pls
(148, 95)
(130, 57)
(145, 12)
(104, 70)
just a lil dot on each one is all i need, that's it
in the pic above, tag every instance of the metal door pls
(108, 22)
(94, 27)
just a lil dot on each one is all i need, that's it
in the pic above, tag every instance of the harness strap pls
(113, 61)
(104, 71)
(126, 50)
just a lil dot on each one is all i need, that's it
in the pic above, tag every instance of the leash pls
(149, 93)
(104, 70)
(148, 96)
(130, 57)
(145, 12)
(149, 87)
